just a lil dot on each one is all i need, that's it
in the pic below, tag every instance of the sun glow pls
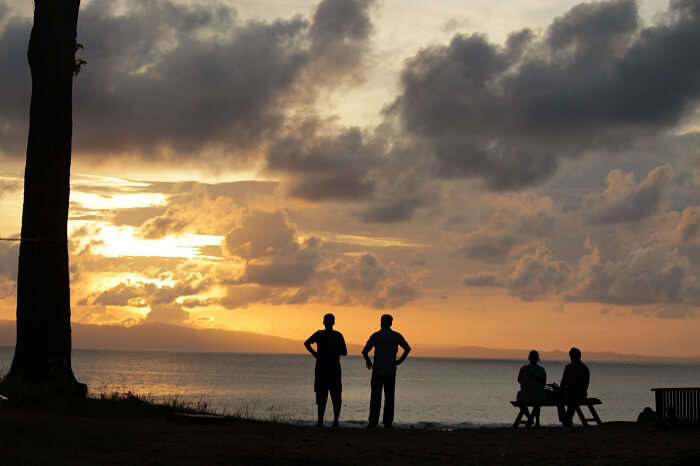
(118, 201)
(123, 241)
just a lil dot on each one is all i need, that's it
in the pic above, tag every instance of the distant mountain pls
(478, 352)
(170, 338)
(176, 338)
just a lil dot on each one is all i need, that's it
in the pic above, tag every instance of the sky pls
(504, 174)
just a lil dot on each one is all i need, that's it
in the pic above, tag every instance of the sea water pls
(430, 392)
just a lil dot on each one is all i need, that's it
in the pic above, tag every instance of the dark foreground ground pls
(106, 433)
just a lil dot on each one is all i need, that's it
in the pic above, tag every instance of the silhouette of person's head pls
(575, 354)
(533, 357)
(386, 321)
(329, 321)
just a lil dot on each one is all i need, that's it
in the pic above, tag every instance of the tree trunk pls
(43, 351)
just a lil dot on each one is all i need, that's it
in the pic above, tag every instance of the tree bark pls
(43, 349)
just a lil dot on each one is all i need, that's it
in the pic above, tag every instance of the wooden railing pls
(678, 405)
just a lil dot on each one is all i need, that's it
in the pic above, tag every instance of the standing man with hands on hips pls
(386, 343)
(330, 345)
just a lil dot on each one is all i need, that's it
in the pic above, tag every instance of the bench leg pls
(518, 419)
(594, 413)
(581, 416)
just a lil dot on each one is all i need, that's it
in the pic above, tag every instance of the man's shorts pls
(326, 381)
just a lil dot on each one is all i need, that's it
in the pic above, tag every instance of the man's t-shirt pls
(330, 345)
(575, 380)
(386, 344)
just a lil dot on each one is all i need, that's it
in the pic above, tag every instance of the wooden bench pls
(526, 413)
(678, 405)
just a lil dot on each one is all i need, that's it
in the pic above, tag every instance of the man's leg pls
(321, 398)
(570, 411)
(561, 411)
(375, 402)
(536, 414)
(336, 398)
(389, 389)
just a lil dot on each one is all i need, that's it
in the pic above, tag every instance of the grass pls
(133, 405)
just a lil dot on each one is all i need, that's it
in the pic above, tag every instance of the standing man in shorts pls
(330, 345)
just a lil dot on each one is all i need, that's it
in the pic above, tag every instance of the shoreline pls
(131, 431)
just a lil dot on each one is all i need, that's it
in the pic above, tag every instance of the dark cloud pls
(288, 270)
(402, 189)
(593, 81)
(326, 167)
(168, 79)
(123, 294)
(340, 32)
(9, 258)
(626, 201)
(482, 279)
(15, 88)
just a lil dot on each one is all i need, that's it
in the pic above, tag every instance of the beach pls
(118, 436)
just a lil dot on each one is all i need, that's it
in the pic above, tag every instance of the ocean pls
(431, 392)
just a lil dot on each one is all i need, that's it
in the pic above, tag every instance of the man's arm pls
(343, 347)
(406, 350)
(565, 377)
(365, 352)
(307, 344)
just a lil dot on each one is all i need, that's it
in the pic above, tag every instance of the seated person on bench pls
(532, 379)
(574, 387)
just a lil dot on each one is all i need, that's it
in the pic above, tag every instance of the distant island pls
(165, 337)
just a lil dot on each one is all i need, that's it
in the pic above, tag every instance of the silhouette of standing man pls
(386, 344)
(330, 345)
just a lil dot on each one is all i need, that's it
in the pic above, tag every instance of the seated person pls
(574, 386)
(532, 379)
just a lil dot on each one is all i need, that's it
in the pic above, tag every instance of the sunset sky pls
(510, 174)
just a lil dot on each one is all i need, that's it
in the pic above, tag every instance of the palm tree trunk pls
(43, 350)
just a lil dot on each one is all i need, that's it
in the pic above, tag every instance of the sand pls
(41, 437)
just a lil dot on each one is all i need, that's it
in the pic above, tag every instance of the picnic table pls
(526, 412)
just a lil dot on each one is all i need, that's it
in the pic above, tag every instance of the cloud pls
(284, 270)
(625, 201)
(262, 234)
(512, 220)
(687, 230)
(9, 185)
(197, 214)
(537, 273)
(482, 279)
(593, 81)
(655, 274)
(167, 79)
(9, 258)
(141, 293)
(167, 313)
(340, 33)
(325, 167)
(280, 268)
